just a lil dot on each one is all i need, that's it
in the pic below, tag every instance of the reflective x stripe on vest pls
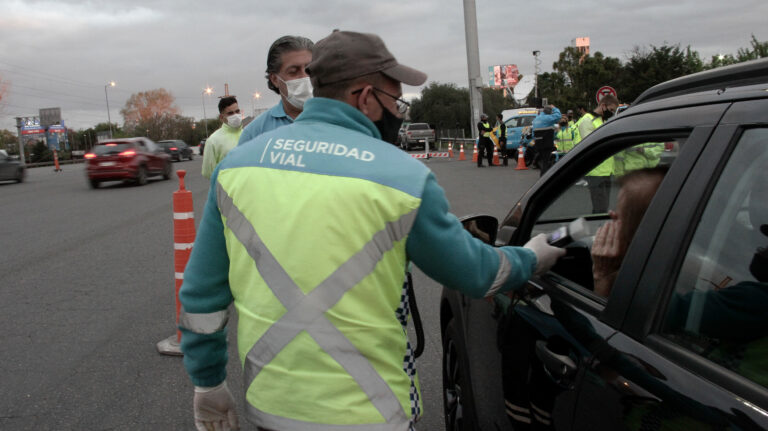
(305, 312)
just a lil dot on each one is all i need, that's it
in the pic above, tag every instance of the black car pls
(681, 340)
(177, 149)
(10, 169)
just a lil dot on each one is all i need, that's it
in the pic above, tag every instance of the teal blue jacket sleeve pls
(447, 253)
(206, 290)
(250, 131)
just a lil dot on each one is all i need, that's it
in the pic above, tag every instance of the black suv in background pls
(10, 169)
(681, 340)
(177, 149)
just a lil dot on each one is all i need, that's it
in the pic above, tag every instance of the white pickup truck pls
(415, 135)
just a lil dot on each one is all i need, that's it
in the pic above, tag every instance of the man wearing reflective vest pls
(308, 229)
(484, 143)
(599, 179)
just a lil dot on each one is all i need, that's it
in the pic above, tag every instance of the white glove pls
(546, 255)
(215, 409)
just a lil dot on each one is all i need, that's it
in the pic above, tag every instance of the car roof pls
(718, 80)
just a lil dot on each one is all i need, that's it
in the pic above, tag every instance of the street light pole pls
(256, 96)
(109, 118)
(473, 65)
(536, 64)
(208, 90)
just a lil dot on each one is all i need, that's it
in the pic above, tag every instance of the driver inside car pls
(612, 239)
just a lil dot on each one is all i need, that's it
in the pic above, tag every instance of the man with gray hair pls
(287, 61)
(315, 266)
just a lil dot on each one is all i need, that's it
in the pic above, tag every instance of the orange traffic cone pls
(57, 168)
(474, 154)
(450, 149)
(520, 159)
(462, 156)
(495, 156)
(183, 239)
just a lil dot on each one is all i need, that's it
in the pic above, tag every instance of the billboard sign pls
(503, 76)
(50, 116)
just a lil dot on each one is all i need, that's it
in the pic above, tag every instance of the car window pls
(520, 121)
(418, 126)
(111, 148)
(595, 197)
(719, 307)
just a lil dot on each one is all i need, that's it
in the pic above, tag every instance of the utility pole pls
(19, 124)
(536, 65)
(473, 65)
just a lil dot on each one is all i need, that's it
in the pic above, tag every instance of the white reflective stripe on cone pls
(183, 216)
(183, 245)
(179, 275)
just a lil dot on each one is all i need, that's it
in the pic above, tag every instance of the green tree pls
(9, 141)
(444, 106)
(648, 67)
(576, 78)
(494, 102)
(41, 153)
(758, 50)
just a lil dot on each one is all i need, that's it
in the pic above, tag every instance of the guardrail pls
(51, 163)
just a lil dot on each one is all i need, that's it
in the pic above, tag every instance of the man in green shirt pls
(225, 138)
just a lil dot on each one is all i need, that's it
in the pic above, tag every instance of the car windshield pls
(166, 144)
(111, 148)
(418, 127)
(520, 121)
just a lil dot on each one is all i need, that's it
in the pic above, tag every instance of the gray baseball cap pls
(346, 55)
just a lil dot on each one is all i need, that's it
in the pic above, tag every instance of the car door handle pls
(559, 366)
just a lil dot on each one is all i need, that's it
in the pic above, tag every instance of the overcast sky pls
(62, 53)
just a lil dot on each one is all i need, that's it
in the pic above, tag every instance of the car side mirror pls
(482, 227)
(505, 235)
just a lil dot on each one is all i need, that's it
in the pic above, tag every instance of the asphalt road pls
(87, 290)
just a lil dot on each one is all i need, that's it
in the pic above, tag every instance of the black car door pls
(693, 348)
(7, 168)
(562, 328)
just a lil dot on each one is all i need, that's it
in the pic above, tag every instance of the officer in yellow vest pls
(564, 136)
(308, 229)
(484, 143)
(599, 179)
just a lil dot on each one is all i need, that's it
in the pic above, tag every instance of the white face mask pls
(234, 120)
(299, 91)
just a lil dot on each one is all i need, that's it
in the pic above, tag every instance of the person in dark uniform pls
(503, 138)
(484, 144)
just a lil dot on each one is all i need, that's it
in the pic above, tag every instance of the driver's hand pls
(607, 255)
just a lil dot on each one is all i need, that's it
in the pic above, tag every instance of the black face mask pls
(607, 113)
(388, 125)
(563, 123)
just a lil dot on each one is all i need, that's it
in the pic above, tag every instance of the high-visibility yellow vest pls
(564, 139)
(638, 157)
(486, 125)
(331, 323)
(604, 169)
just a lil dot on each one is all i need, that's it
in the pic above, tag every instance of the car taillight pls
(90, 156)
(669, 146)
(409, 133)
(127, 153)
(174, 148)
